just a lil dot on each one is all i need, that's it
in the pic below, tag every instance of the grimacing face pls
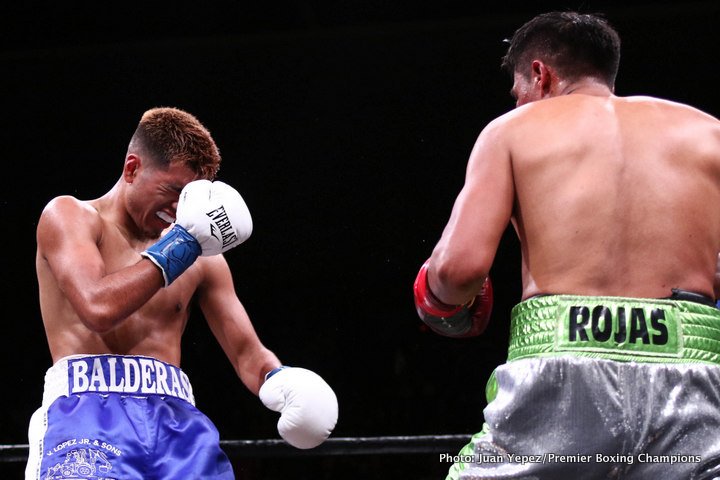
(154, 196)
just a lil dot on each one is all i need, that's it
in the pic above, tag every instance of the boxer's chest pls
(172, 301)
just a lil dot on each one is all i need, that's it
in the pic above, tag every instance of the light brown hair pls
(168, 135)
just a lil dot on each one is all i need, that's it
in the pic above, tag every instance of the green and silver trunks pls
(602, 387)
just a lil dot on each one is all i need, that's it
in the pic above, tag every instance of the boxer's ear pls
(131, 167)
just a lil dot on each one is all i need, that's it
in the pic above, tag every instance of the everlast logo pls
(617, 327)
(222, 222)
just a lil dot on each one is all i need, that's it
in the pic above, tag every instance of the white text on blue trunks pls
(133, 375)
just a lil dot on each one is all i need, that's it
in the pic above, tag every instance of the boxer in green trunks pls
(613, 365)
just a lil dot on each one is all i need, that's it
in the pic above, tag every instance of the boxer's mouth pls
(165, 217)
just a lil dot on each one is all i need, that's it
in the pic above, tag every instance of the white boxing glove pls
(308, 406)
(215, 214)
(211, 218)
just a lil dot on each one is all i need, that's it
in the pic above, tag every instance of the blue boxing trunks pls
(118, 417)
(602, 388)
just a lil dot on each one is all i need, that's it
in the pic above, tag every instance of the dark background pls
(346, 126)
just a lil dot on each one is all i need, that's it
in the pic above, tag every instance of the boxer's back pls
(616, 196)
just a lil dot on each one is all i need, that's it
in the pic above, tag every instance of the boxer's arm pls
(231, 325)
(68, 235)
(461, 261)
(307, 404)
(716, 283)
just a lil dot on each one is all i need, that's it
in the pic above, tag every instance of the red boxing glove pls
(468, 320)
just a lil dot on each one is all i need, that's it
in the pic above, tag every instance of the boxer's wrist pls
(274, 371)
(465, 320)
(173, 253)
(426, 300)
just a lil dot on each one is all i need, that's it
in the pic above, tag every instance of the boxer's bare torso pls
(154, 329)
(615, 196)
(99, 295)
(608, 195)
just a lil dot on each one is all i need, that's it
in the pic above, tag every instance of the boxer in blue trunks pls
(614, 359)
(116, 277)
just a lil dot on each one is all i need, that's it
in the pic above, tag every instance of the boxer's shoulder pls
(66, 213)
(66, 208)
(212, 272)
(67, 204)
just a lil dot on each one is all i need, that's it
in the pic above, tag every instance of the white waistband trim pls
(115, 374)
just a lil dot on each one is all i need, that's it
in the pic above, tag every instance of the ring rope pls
(383, 445)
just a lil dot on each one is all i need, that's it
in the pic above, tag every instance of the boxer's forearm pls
(454, 284)
(104, 304)
(254, 366)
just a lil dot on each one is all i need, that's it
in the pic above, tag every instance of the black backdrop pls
(346, 126)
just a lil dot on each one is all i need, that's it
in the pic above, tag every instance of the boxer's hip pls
(120, 416)
(117, 375)
(623, 380)
(616, 328)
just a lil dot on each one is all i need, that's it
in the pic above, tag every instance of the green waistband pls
(617, 328)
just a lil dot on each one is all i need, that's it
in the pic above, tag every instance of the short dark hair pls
(575, 44)
(169, 135)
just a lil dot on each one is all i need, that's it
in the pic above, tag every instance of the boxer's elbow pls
(98, 323)
(97, 317)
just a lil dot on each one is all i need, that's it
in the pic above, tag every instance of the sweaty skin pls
(608, 195)
(98, 295)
